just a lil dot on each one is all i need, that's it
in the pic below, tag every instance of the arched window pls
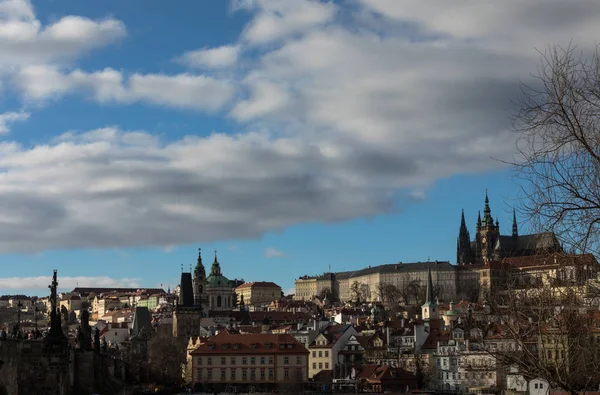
(219, 301)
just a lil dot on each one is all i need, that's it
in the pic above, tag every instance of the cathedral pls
(198, 295)
(490, 245)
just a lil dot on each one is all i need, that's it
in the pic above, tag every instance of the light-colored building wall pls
(255, 293)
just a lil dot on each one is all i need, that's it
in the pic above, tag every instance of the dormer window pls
(211, 346)
(236, 346)
(224, 346)
(253, 346)
(268, 346)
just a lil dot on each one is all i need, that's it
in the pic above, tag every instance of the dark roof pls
(141, 319)
(250, 343)
(186, 292)
(388, 268)
(528, 244)
(248, 317)
(85, 291)
(259, 284)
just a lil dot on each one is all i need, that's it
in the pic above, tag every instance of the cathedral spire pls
(429, 285)
(487, 212)
(463, 244)
(199, 271)
(515, 228)
(478, 219)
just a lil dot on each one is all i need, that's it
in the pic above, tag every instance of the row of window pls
(251, 373)
(314, 365)
(320, 353)
(262, 360)
(467, 375)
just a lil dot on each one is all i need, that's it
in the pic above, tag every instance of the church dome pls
(217, 281)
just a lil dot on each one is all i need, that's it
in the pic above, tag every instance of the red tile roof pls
(249, 344)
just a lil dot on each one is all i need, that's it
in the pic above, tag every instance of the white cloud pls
(276, 20)
(183, 91)
(8, 118)
(271, 252)
(66, 283)
(342, 114)
(23, 39)
(224, 56)
(289, 291)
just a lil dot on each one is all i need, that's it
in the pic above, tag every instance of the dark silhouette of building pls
(489, 244)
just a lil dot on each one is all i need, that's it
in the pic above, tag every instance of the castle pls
(490, 245)
(200, 295)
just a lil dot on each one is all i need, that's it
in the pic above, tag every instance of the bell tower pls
(487, 232)
(199, 281)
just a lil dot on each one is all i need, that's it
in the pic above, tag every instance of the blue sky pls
(289, 135)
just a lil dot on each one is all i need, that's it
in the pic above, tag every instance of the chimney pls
(402, 322)
(315, 324)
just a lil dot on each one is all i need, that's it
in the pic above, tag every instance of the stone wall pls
(30, 368)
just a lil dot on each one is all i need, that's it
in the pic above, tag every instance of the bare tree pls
(558, 122)
(355, 292)
(167, 358)
(414, 290)
(404, 292)
(329, 294)
(548, 332)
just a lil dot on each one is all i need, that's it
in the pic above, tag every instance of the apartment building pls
(259, 292)
(327, 345)
(244, 359)
(374, 278)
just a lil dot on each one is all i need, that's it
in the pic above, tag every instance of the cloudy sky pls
(289, 135)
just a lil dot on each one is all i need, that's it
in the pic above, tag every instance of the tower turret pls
(429, 308)
(199, 280)
(215, 269)
(487, 234)
(464, 255)
(515, 228)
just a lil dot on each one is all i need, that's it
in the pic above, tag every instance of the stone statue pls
(86, 329)
(80, 338)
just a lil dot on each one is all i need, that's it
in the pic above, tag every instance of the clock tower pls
(487, 233)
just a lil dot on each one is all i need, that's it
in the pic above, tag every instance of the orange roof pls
(259, 284)
(263, 343)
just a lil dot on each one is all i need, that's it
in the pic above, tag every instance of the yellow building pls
(374, 278)
(260, 292)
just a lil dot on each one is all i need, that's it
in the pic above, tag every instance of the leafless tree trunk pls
(547, 331)
(558, 122)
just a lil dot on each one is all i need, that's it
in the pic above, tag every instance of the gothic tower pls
(487, 232)
(464, 255)
(429, 309)
(199, 281)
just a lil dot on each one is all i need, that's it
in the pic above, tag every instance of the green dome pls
(451, 313)
(216, 278)
(217, 281)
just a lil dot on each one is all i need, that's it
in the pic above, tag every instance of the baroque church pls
(490, 245)
(199, 295)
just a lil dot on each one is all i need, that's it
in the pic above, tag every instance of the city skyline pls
(290, 136)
